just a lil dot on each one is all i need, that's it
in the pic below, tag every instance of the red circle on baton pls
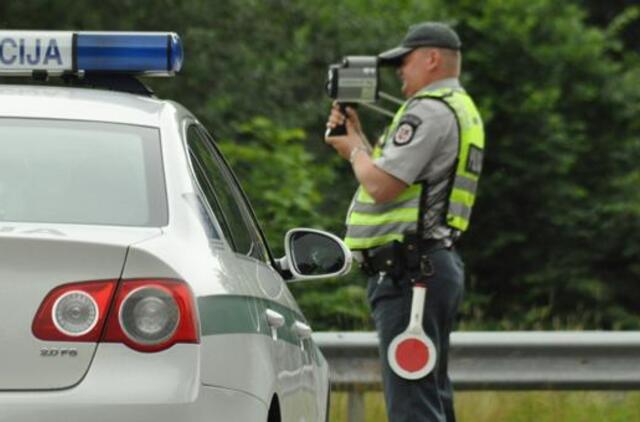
(412, 355)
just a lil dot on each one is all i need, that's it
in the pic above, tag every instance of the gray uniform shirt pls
(425, 148)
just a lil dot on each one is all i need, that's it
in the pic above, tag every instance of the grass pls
(542, 406)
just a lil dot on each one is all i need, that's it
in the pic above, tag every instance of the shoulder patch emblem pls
(406, 129)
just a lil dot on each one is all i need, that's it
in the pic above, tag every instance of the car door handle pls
(302, 330)
(275, 319)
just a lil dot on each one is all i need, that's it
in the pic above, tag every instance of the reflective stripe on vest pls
(370, 224)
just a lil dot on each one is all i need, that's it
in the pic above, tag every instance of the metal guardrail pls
(532, 360)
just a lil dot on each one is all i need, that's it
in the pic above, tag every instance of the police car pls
(135, 282)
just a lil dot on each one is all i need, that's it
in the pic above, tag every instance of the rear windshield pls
(55, 171)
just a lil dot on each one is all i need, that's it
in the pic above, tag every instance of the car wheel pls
(328, 411)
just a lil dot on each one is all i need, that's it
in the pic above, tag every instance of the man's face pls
(415, 71)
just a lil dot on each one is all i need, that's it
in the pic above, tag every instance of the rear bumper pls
(136, 387)
(211, 405)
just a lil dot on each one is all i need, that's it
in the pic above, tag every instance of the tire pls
(328, 411)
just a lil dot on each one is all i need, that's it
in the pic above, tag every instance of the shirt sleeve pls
(422, 136)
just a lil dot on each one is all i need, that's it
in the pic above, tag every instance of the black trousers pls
(431, 398)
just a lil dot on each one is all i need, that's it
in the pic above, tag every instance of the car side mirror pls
(314, 254)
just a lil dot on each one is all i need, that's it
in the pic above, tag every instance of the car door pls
(274, 304)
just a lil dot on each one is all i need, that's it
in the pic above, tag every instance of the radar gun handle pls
(340, 130)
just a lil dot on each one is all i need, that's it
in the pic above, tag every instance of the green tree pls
(556, 213)
(280, 175)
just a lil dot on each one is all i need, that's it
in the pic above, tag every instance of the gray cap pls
(426, 34)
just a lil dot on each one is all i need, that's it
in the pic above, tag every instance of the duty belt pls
(393, 258)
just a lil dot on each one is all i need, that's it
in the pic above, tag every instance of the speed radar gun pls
(411, 354)
(355, 81)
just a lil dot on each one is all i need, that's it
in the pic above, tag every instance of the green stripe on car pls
(233, 314)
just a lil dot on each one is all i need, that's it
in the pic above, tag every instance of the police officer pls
(417, 187)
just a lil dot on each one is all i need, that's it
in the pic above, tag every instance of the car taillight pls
(150, 315)
(147, 315)
(74, 312)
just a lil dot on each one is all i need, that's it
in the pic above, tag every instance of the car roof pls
(71, 103)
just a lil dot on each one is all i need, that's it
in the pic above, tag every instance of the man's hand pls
(382, 186)
(354, 137)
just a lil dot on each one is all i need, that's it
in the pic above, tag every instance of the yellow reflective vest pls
(370, 224)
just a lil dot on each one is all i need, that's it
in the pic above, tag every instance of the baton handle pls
(417, 307)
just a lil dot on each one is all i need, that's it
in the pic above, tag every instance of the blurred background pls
(555, 238)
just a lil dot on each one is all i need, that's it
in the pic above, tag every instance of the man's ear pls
(432, 58)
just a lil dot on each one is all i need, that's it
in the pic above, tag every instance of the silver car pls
(135, 282)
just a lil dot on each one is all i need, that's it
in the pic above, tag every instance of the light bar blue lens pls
(147, 53)
(175, 52)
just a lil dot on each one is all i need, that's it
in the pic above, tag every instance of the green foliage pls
(556, 214)
(280, 176)
(335, 304)
(554, 240)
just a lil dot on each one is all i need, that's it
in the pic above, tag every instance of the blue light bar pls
(147, 53)
(56, 52)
